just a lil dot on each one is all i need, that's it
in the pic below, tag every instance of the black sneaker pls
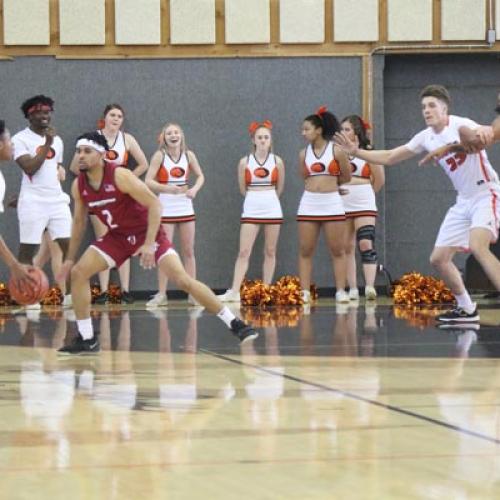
(80, 346)
(459, 315)
(126, 298)
(243, 331)
(103, 298)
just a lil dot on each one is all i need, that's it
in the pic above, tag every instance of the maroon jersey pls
(117, 210)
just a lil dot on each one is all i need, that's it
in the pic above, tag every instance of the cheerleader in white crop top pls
(261, 177)
(168, 174)
(122, 145)
(361, 209)
(324, 167)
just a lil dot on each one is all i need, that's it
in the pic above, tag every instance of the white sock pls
(465, 302)
(85, 328)
(226, 315)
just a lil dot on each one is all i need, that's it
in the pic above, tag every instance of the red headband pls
(39, 107)
(252, 128)
(321, 111)
(366, 125)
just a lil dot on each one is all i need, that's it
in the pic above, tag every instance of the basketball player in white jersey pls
(361, 209)
(168, 176)
(472, 222)
(17, 270)
(324, 167)
(261, 178)
(122, 145)
(42, 203)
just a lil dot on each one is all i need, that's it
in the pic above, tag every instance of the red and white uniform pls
(42, 203)
(360, 200)
(118, 152)
(320, 207)
(478, 189)
(261, 206)
(176, 207)
(125, 218)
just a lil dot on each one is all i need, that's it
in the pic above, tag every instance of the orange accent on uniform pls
(125, 158)
(274, 176)
(170, 220)
(162, 175)
(248, 176)
(366, 171)
(318, 167)
(321, 218)
(494, 207)
(305, 171)
(483, 167)
(177, 172)
(248, 220)
(334, 168)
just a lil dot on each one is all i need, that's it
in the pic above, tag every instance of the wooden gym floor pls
(330, 403)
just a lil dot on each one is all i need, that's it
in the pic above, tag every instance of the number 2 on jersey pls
(455, 161)
(109, 219)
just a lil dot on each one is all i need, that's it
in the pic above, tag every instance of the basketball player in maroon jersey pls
(18, 270)
(132, 213)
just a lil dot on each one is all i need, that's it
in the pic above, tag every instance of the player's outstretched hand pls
(346, 144)
(474, 140)
(63, 273)
(146, 256)
(438, 153)
(20, 273)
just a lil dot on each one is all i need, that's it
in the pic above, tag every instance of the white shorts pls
(359, 201)
(35, 216)
(262, 207)
(176, 208)
(482, 210)
(321, 207)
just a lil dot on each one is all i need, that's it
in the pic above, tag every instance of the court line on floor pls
(351, 395)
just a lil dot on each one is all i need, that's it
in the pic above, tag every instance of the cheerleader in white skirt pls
(261, 177)
(361, 209)
(325, 167)
(168, 176)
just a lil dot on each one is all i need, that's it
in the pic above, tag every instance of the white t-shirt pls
(470, 174)
(44, 185)
(2, 191)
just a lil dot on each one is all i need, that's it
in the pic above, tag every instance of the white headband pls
(92, 144)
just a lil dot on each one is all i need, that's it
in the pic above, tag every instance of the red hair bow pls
(366, 125)
(256, 125)
(321, 110)
(101, 124)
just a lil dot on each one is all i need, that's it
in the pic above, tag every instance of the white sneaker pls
(370, 293)
(306, 296)
(353, 294)
(342, 297)
(229, 296)
(159, 300)
(32, 307)
(67, 301)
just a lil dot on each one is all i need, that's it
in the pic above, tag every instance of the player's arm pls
(345, 166)
(78, 224)
(281, 176)
(61, 173)
(377, 177)
(18, 270)
(74, 166)
(138, 155)
(31, 164)
(153, 184)
(128, 183)
(241, 176)
(379, 156)
(194, 165)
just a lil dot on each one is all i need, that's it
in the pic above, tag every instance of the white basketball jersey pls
(43, 185)
(469, 173)
(265, 174)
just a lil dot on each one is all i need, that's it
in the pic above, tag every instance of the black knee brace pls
(367, 233)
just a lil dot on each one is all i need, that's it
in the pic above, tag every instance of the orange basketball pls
(30, 293)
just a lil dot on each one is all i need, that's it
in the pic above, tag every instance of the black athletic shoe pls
(103, 298)
(459, 315)
(80, 346)
(243, 331)
(126, 298)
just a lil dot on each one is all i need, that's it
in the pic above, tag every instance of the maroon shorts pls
(116, 248)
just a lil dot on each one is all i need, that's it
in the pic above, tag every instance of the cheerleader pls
(168, 176)
(121, 145)
(324, 167)
(361, 209)
(261, 177)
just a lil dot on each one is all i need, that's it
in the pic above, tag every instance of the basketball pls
(30, 293)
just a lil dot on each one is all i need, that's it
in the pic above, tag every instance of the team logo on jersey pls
(177, 172)
(318, 167)
(109, 188)
(111, 155)
(353, 167)
(261, 172)
(51, 153)
(132, 239)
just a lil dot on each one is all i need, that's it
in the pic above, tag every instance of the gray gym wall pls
(417, 198)
(214, 100)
